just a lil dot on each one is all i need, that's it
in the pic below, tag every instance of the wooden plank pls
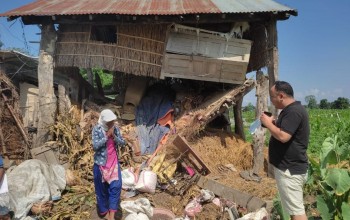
(49, 153)
(45, 154)
(184, 147)
(251, 202)
(209, 45)
(203, 68)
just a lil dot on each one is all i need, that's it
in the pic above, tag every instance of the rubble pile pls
(224, 154)
(190, 149)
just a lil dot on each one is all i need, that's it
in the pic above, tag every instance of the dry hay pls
(218, 150)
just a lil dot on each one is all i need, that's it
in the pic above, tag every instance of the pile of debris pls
(195, 165)
(191, 155)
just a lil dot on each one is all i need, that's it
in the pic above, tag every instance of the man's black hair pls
(282, 86)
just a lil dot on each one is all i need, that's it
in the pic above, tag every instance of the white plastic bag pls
(138, 206)
(147, 182)
(128, 177)
(138, 216)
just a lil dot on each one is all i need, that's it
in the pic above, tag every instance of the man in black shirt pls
(287, 147)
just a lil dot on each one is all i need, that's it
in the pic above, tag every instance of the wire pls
(14, 36)
(24, 37)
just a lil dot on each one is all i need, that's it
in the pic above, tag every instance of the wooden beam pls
(225, 101)
(262, 92)
(272, 67)
(243, 199)
(112, 19)
(237, 111)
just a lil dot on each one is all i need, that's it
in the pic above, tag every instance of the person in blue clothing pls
(106, 138)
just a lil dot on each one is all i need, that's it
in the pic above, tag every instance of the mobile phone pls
(268, 114)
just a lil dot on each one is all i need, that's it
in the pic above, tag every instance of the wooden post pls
(63, 100)
(237, 111)
(262, 92)
(47, 98)
(90, 76)
(99, 85)
(272, 66)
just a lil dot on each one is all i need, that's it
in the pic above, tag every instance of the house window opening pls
(105, 34)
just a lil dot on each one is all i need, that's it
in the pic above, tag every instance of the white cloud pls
(330, 95)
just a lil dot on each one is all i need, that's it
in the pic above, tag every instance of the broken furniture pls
(192, 156)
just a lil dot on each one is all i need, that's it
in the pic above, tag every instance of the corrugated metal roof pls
(145, 7)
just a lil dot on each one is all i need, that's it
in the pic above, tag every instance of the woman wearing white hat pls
(106, 137)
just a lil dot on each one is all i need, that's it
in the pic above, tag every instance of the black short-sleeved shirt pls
(291, 155)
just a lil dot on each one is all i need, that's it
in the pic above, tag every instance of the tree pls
(311, 101)
(341, 103)
(105, 76)
(249, 107)
(324, 104)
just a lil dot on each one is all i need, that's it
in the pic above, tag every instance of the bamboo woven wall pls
(139, 49)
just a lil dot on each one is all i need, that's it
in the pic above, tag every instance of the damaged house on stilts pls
(193, 56)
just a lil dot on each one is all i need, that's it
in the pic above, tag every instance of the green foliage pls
(326, 123)
(324, 104)
(311, 101)
(105, 76)
(249, 107)
(341, 103)
(248, 118)
(278, 212)
(330, 179)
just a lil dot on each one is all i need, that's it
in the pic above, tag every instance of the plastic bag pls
(147, 182)
(128, 177)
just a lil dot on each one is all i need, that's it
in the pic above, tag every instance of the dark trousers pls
(107, 195)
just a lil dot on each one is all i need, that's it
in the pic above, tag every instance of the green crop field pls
(323, 123)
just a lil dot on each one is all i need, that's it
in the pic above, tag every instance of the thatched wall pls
(138, 49)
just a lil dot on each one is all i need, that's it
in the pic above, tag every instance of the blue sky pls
(314, 47)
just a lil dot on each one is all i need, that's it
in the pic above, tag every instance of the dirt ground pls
(217, 150)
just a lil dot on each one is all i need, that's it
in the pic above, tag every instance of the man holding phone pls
(287, 147)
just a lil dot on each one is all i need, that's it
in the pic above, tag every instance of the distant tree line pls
(339, 103)
(311, 103)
